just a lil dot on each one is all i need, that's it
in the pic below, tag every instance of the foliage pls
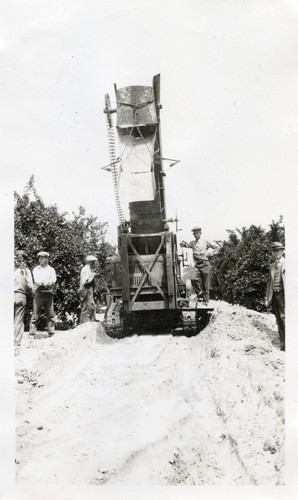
(240, 267)
(67, 239)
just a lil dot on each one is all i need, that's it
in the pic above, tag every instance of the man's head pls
(196, 231)
(90, 259)
(277, 249)
(19, 258)
(43, 258)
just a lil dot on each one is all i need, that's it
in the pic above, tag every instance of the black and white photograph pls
(149, 185)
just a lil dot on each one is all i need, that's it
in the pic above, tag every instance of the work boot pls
(51, 328)
(32, 330)
(17, 348)
(205, 300)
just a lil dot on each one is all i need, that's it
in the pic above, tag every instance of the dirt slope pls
(153, 410)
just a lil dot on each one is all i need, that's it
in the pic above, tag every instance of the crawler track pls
(183, 322)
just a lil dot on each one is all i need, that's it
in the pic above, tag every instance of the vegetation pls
(68, 240)
(240, 268)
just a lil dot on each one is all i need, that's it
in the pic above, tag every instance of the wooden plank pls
(145, 235)
(125, 277)
(170, 271)
(149, 305)
(159, 167)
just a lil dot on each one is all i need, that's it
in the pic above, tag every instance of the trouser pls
(43, 300)
(201, 281)
(19, 312)
(278, 309)
(87, 306)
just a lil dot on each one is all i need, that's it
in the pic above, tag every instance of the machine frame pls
(146, 291)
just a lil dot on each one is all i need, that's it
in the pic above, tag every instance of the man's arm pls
(91, 277)
(185, 244)
(53, 277)
(37, 277)
(211, 245)
(267, 301)
(87, 276)
(29, 280)
(212, 249)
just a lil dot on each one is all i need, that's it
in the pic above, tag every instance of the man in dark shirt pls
(23, 285)
(275, 293)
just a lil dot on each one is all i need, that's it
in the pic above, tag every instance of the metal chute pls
(136, 130)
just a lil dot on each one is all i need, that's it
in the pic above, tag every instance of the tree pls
(67, 239)
(240, 268)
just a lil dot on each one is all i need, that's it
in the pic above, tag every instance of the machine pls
(145, 288)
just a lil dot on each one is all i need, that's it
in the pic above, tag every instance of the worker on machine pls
(201, 279)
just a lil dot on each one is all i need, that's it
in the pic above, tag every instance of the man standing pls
(23, 285)
(86, 290)
(44, 284)
(275, 293)
(201, 280)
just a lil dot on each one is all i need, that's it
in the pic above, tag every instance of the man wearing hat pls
(201, 280)
(44, 277)
(275, 293)
(23, 285)
(86, 290)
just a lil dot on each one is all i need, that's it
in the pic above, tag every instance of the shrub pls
(240, 268)
(67, 239)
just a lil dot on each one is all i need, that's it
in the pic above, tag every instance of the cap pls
(277, 245)
(196, 228)
(90, 258)
(43, 254)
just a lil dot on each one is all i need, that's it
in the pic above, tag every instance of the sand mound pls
(154, 410)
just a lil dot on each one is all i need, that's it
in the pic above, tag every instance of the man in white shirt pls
(86, 290)
(201, 280)
(23, 285)
(44, 277)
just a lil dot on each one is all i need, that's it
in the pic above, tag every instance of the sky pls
(228, 76)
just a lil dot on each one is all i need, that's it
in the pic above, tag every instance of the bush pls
(68, 241)
(240, 268)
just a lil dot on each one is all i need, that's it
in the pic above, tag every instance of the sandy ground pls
(153, 410)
